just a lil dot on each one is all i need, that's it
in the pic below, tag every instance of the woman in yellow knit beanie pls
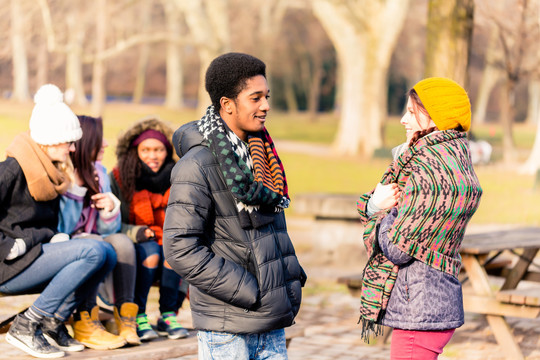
(414, 222)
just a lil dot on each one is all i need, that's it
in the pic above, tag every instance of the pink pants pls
(418, 345)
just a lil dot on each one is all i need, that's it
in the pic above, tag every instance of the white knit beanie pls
(52, 121)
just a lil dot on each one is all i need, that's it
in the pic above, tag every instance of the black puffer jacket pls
(241, 281)
(22, 217)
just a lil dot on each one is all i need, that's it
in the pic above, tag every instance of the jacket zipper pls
(407, 297)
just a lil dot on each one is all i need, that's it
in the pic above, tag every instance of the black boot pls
(26, 335)
(56, 334)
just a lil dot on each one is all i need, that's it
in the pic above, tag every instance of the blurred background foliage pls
(338, 72)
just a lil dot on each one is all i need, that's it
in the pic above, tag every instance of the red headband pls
(153, 134)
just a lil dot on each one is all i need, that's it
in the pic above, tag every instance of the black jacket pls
(22, 217)
(241, 281)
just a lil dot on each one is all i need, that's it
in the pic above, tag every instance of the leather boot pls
(90, 332)
(26, 335)
(57, 335)
(125, 322)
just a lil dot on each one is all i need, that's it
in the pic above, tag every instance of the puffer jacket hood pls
(125, 139)
(186, 137)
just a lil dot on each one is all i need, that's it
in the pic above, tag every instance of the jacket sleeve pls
(391, 251)
(7, 181)
(186, 247)
(108, 222)
(10, 175)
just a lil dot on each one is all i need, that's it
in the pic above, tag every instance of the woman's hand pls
(102, 202)
(386, 196)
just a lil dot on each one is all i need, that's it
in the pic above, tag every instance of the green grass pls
(300, 127)
(508, 197)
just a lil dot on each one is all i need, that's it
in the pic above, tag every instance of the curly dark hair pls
(129, 167)
(227, 75)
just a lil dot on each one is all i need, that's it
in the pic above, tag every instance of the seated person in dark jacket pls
(32, 257)
(225, 229)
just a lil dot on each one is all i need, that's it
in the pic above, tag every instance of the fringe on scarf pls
(370, 329)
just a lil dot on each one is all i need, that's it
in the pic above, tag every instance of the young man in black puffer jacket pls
(225, 229)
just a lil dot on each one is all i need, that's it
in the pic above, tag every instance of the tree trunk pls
(20, 61)
(209, 27)
(314, 90)
(203, 99)
(290, 95)
(140, 77)
(507, 120)
(490, 77)
(364, 44)
(533, 110)
(533, 117)
(449, 30)
(271, 14)
(532, 165)
(74, 73)
(99, 67)
(174, 97)
(42, 64)
(144, 52)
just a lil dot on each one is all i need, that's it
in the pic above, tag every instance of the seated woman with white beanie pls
(33, 257)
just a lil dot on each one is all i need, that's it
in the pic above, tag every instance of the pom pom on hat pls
(52, 121)
(446, 102)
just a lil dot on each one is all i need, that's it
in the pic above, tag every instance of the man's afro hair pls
(227, 74)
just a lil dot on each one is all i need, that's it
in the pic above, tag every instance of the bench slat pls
(530, 297)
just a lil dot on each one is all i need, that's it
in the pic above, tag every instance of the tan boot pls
(90, 332)
(125, 322)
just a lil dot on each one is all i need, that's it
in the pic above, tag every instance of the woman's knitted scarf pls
(253, 172)
(156, 182)
(440, 193)
(45, 181)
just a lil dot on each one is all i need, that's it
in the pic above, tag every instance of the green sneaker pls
(168, 325)
(144, 329)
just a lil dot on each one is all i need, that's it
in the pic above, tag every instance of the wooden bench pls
(6, 320)
(528, 297)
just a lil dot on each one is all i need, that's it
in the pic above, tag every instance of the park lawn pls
(508, 197)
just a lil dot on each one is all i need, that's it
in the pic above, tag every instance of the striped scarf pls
(253, 172)
(440, 194)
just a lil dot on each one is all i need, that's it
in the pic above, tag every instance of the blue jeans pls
(169, 280)
(226, 346)
(123, 274)
(65, 273)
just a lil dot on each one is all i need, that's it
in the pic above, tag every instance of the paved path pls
(329, 316)
(331, 333)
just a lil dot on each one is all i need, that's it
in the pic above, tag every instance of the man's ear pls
(226, 104)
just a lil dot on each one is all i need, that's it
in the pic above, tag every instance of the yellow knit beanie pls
(446, 102)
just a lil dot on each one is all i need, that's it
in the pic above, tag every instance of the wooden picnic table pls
(490, 253)
(478, 251)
